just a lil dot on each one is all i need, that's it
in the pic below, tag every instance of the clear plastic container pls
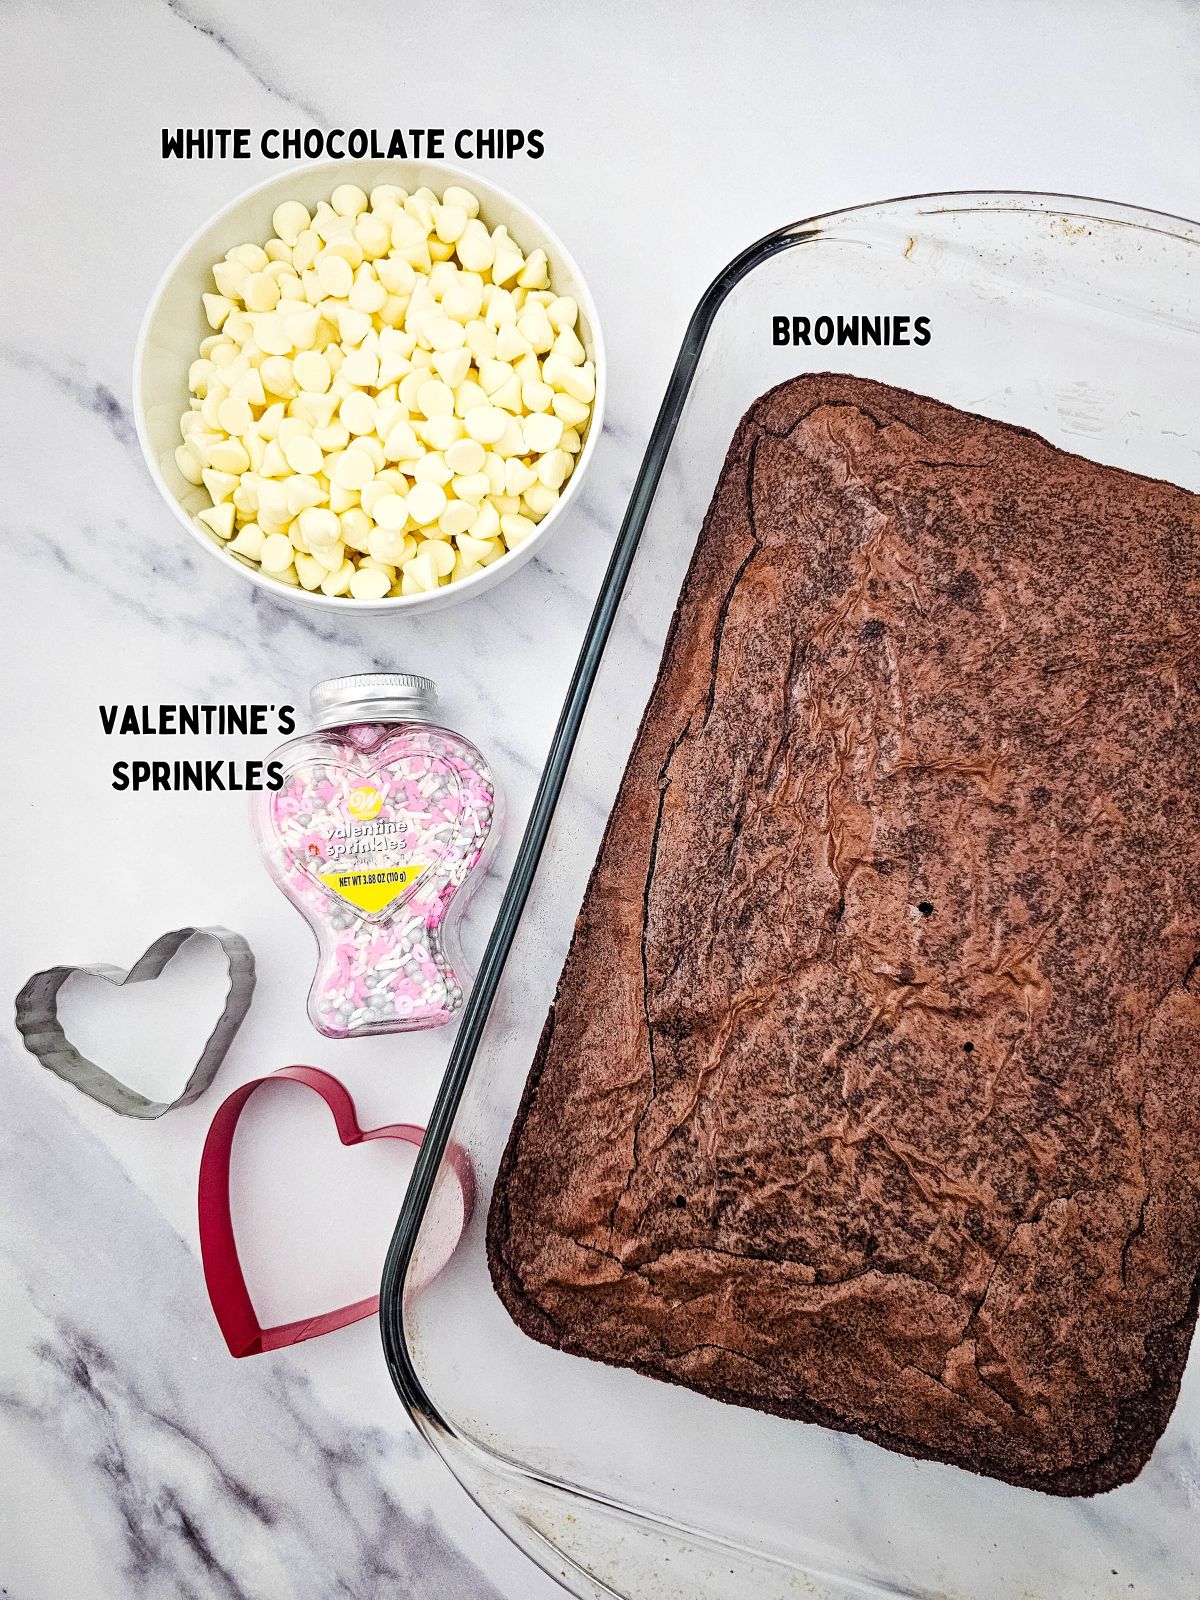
(1078, 319)
(377, 835)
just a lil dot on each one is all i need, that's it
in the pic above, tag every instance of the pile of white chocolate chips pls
(392, 397)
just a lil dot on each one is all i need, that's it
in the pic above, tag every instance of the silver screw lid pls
(373, 697)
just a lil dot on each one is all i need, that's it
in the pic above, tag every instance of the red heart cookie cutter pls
(223, 1274)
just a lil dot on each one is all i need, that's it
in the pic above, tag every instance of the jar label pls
(373, 891)
(364, 803)
(369, 832)
(372, 835)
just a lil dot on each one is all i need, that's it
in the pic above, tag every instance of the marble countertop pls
(137, 1458)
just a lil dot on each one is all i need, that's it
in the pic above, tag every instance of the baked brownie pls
(869, 1093)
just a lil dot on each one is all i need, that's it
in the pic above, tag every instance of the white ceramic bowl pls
(175, 324)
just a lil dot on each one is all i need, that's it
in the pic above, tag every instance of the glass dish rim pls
(402, 1371)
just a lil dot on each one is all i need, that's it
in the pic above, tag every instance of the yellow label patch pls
(364, 803)
(373, 888)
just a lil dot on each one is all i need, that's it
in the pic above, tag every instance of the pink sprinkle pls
(435, 810)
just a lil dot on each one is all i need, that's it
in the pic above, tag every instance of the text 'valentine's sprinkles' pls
(197, 774)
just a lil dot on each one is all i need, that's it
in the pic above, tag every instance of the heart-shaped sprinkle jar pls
(378, 834)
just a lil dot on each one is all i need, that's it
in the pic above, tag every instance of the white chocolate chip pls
(310, 571)
(449, 222)
(303, 455)
(289, 220)
(486, 423)
(487, 523)
(517, 476)
(553, 468)
(419, 575)
(456, 518)
(253, 255)
(354, 326)
(331, 556)
(391, 512)
(220, 485)
(441, 432)
(216, 308)
(507, 261)
(511, 343)
(465, 456)
(432, 468)
(535, 273)
(271, 333)
(440, 555)
(348, 200)
(443, 333)
(312, 371)
(426, 502)
(467, 395)
(353, 469)
(471, 487)
(334, 274)
(360, 368)
(277, 552)
(319, 526)
(188, 463)
(475, 248)
(230, 278)
(452, 366)
(373, 234)
(248, 541)
(401, 443)
(261, 292)
(367, 294)
(219, 519)
(535, 327)
(374, 450)
(542, 432)
(277, 376)
(516, 529)
(369, 584)
(303, 492)
(456, 196)
(332, 438)
(249, 386)
(357, 412)
(512, 441)
(390, 545)
(539, 499)
(338, 582)
(501, 306)
(228, 455)
(435, 399)
(579, 382)
(481, 339)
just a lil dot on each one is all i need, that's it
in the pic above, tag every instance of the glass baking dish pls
(1078, 319)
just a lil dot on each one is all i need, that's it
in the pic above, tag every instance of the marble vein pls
(243, 56)
(76, 385)
(198, 1477)
(126, 1434)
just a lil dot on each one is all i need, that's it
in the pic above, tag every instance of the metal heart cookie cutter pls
(38, 1024)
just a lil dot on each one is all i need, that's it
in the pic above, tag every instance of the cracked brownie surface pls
(868, 1095)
